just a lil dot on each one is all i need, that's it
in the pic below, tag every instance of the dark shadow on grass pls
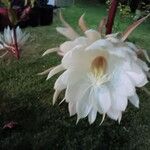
(43, 126)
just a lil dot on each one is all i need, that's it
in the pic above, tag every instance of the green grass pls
(27, 98)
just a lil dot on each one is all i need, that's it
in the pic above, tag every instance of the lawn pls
(26, 98)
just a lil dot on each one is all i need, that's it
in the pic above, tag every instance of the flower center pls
(98, 67)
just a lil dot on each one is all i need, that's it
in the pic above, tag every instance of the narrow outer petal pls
(134, 100)
(67, 33)
(54, 71)
(92, 116)
(72, 108)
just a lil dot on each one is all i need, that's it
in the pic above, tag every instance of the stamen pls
(98, 67)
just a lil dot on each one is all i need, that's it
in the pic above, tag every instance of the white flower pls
(7, 40)
(85, 41)
(99, 78)
(101, 75)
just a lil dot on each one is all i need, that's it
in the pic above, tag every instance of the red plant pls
(111, 16)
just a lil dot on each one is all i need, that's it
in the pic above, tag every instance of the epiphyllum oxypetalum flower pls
(90, 36)
(100, 75)
(11, 42)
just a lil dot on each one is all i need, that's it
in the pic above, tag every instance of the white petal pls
(50, 51)
(76, 58)
(62, 81)
(66, 46)
(119, 118)
(113, 63)
(75, 90)
(134, 100)
(19, 34)
(45, 71)
(143, 65)
(55, 96)
(7, 35)
(122, 84)
(146, 55)
(92, 35)
(92, 116)
(72, 108)
(1, 46)
(77, 76)
(100, 45)
(114, 114)
(84, 106)
(54, 71)
(114, 38)
(102, 99)
(67, 33)
(1, 38)
(24, 39)
(122, 51)
(12, 37)
(82, 41)
(69, 45)
(132, 46)
(74, 94)
(138, 79)
(69, 77)
(137, 75)
(119, 101)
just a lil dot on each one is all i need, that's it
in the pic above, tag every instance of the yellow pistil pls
(98, 67)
